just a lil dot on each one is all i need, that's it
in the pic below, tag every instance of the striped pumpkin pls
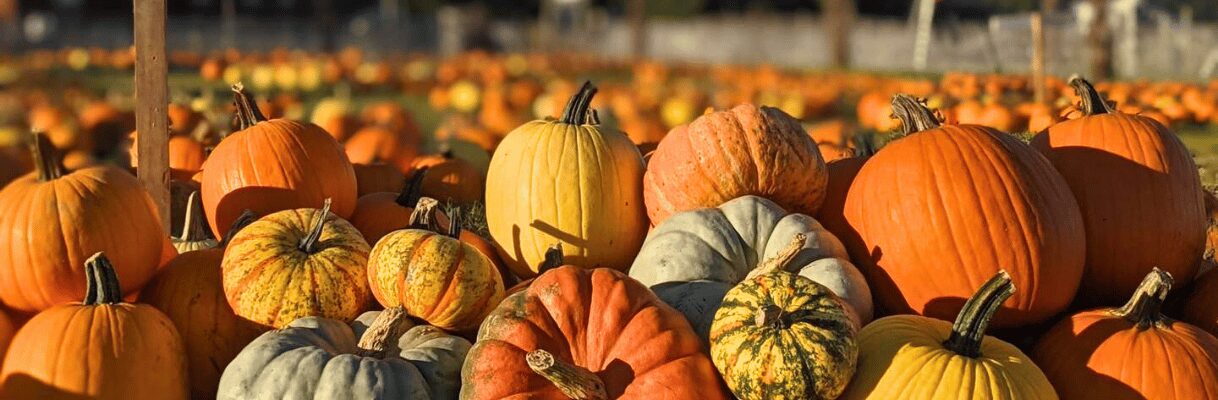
(296, 263)
(435, 277)
(779, 335)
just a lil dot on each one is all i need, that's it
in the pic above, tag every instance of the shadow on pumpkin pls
(262, 200)
(1085, 344)
(22, 386)
(617, 376)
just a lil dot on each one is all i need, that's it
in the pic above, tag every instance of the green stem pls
(413, 191)
(969, 329)
(102, 286)
(47, 159)
(309, 243)
(1143, 308)
(1091, 103)
(248, 113)
(576, 111)
(913, 113)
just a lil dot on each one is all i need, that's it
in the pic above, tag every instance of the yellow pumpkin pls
(566, 181)
(914, 357)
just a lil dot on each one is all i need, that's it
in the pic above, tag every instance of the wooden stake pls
(151, 101)
(637, 12)
(1038, 58)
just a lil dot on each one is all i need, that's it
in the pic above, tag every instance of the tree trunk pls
(838, 20)
(1099, 41)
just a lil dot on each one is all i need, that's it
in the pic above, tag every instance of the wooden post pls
(1038, 57)
(636, 11)
(1099, 42)
(922, 34)
(151, 101)
(838, 21)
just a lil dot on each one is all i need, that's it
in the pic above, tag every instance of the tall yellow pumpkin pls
(566, 181)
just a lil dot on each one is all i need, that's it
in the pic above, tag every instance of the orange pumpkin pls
(7, 329)
(395, 118)
(13, 164)
(1139, 192)
(375, 178)
(451, 179)
(727, 154)
(186, 155)
(274, 165)
(1199, 307)
(101, 348)
(53, 220)
(833, 139)
(378, 144)
(1132, 352)
(960, 215)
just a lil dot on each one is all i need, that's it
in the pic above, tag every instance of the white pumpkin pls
(692, 258)
(381, 355)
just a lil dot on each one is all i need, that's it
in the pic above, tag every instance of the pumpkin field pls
(543, 225)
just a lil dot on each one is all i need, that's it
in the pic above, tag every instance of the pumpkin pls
(194, 234)
(274, 165)
(451, 179)
(380, 355)
(566, 181)
(376, 178)
(377, 144)
(1131, 352)
(692, 259)
(834, 140)
(1139, 192)
(779, 335)
(587, 334)
(296, 263)
(189, 291)
(727, 154)
(960, 202)
(841, 177)
(435, 276)
(914, 357)
(13, 164)
(395, 118)
(100, 348)
(7, 329)
(1199, 306)
(54, 220)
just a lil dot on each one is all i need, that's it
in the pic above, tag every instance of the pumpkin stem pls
(454, 224)
(309, 243)
(1143, 308)
(247, 217)
(969, 328)
(248, 113)
(413, 190)
(768, 315)
(865, 144)
(575, 381)
(423, 215)
(553, 258)
(382, 336)
(779, 261)
(576, 112)
(913, 113)
(192, 229)
(1090, 101)
(102, 283)
(47, 159)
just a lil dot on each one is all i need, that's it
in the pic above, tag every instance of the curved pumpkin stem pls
(247, 217)
(382, 336)
(553, 258)
(576, 111)
(779, 261)
(102, 286)
(969, 328)
(572, 380)
(1090, 101)
(423, 216)
(192, 229)
(309, 243)
(248, 113)
(413, 191)
(47, 159)
(454, 224)
(1143, 308)
(913, 113)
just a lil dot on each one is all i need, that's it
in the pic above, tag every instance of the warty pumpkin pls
(54, 220)
(1201, 305)
(1131, 352)
(380, 355)
(297, 263)
(100, 348)
(274, 165)
(692, 259)
(1139, 193)
(190, 292)
(566, 181)
(959, 202)
(727, 154)
(450, 179)
(194, 234)
(434, 275)
(779, 335)
(587, 334)
(914, 357)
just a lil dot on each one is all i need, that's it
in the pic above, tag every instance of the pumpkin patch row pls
(733, 261)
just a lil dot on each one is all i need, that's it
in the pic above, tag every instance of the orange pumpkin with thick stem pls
(960, 202)
(188, 290)
(747, 150)
(1139, 192)
(101, 348)
(54, 220)
(274, 165)
(591, 334)
(451, 179)
(1131, 352)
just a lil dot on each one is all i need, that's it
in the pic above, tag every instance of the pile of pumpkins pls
(734, 261)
